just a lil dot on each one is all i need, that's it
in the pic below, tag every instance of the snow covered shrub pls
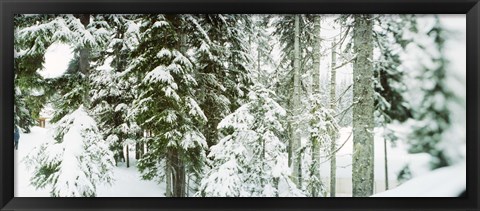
(250, 160)
(75, 160)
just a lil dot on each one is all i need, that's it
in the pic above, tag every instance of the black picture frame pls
(10, 7)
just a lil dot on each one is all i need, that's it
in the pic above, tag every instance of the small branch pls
(344, 111)
(336, 150)
(343, 64)
(344, 92)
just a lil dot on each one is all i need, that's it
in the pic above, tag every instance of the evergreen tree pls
(389, 81)
(113, 90)
(75, 161)
(250, 160)
(433, 127)
(28, 59)
(166, 102)
(76, 132)
(221, 60)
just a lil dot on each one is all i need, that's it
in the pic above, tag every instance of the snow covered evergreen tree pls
(166, 102)
(113, 89)
(28, 59)
(76, 134)
(434, 125)
(390, 105)
(221, 59)
(75, 160)
(250, 160)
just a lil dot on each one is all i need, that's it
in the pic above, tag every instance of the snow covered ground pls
(128, 182)
(397, 159)
(443, 182)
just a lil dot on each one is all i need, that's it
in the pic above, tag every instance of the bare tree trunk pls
(128, 156)
(386, 164)
(296, 161)
(316, 93)
(363, 119)
(333, 158)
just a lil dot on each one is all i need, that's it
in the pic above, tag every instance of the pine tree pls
(113, 90)
(250, 160)
(433, 127)
(166, 101)
(28, 59)
(75, 161)
(389, 82)
(221, 58)
(76, 132)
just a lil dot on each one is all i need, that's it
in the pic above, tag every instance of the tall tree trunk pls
(178, 164)
(386, 164)
(84, 61)
(316, 93)
(178, 174)
(363, 119)
(316, 54)
(296, 161)
(333, 146)
(168, 173)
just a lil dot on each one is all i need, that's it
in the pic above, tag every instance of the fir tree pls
(166, 102)
(250, 160)
(75, 161)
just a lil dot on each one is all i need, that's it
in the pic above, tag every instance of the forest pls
(237, 105)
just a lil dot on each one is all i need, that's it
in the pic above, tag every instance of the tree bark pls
(316, 93)
(316, 55)
(84, 61)
(333, 146)
(168, 174)
(363, 119)
(296, 161)
(386, 164)
(176, 164)
(128, 156)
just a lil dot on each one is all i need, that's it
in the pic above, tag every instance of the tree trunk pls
(333, 158)
(178, 175)
(316, 55)
(177, 165)
(84, 61)
(168, 174)
(386, 164)
(128, 156)
(363, 119)
(316, 188)
(296, 161)
(138, 150)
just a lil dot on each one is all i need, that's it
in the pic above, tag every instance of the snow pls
(443, 182)
(398, 157)
(127, 183)
(161, 74)
(57, 58)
